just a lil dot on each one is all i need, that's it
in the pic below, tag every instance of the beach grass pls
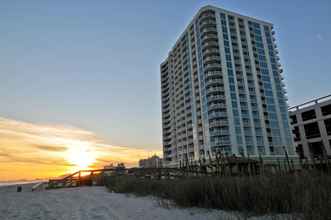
(305, 195)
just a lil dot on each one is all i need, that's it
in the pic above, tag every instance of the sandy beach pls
(85, 203)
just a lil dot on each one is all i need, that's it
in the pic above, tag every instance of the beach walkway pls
(83, 203)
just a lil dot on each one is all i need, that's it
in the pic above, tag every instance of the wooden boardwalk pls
(219, 166)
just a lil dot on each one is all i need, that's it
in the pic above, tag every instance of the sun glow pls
(30, 151)
(80, 156)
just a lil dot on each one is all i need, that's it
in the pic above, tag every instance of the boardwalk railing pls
(79, 178)
(218, 166)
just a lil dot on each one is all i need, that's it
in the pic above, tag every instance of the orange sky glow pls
(30, 151)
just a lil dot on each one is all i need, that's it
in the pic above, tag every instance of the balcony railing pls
(210, 50)
(209, 36)
(215, 89)
(212, 66)
(220, 123)
(208, 22)
(211, 43)
(216, 106)
(210, 82)
(208, 30)
(215, 115)
(213, 73)
(212, 58)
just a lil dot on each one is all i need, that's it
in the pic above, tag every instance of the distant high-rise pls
(222, 90)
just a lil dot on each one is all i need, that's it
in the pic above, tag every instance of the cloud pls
(49, 149)
(4, 155)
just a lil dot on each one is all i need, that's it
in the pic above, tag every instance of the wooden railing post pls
(79, 178)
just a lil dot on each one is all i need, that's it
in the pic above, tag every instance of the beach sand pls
(91, 203)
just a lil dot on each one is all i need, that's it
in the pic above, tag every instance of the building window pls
(308, 115)
(316, 149)
(294, 119)
(312, 130)
(300, 152)
(327, 123)
(326, 110)
(296, 134)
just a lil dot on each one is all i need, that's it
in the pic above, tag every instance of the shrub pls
(306, 194)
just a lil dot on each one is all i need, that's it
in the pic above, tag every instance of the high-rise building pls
(222, 90)
(311, 123)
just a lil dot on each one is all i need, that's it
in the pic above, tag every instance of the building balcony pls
(205, 55)
(167, 140)
(246, 124)
(212, 58)
(212, 66)
(165, 94)
(215, 115)
(219, 143)
(209, 36)
(206, 51)
(207, 14)
(206, 24)
(164, 82)
(213, 73)
(216, 106)
(208, 30)
(207, 19)
(166, 110)
(215, 89)
(165, 100)
(219, 123)
(210, 44)
(220, 134)
(215, 97)
(214, 82)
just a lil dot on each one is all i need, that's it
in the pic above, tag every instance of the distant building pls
(223, 91)
(109, 166)
(311, 123)
(151, 162)
(119, 169)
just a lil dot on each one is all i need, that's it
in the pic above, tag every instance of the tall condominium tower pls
(222, 90)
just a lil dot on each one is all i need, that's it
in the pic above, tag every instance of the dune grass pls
(304, 196)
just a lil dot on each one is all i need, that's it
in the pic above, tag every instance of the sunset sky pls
(41, 151)
(80, 79)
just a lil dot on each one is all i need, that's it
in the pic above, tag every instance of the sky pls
(93, 66)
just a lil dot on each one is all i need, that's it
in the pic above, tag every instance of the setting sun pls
(80, 156)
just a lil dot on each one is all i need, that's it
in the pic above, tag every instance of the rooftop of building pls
(310, 103)
(213, 8)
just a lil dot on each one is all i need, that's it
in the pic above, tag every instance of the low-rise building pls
(151, 162)
(311, 124)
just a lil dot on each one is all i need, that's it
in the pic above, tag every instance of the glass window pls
(294, 119)
(308, 115)
(312, 130)
(239, 139)
(327, 123)
(326, 110)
